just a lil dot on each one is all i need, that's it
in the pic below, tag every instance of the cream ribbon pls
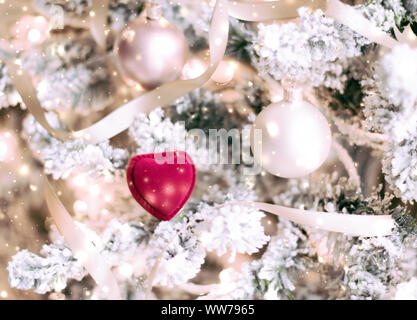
(271, 10)
(120, 119)
(83, 248)
(352, 18)
(98, 21)
(350, 224)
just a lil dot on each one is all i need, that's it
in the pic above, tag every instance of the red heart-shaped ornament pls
(161, 182)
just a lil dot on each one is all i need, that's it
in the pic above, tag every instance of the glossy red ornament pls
(161, 182)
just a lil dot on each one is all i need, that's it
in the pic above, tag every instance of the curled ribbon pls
(350, 224)
(98, 21)
(82, 247)
(350, 17)
(271, 10)
(120, 119)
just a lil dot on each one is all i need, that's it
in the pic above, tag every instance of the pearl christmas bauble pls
(151, 51)
(295, 139)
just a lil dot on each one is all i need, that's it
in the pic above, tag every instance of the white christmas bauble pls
(291, 139)
(150, 50)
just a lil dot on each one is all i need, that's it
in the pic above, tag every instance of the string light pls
(126, 270)
(4, 149)
(81, 256)
(80, 206)
(194, 68)
(34, 35)
(79, 180)
(227, 280)
(205, 239)
(8, 145)
(24, 170)
(95, 190)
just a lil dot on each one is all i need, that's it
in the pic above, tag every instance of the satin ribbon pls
(340, 12)
(352, 18)
(120, 119)
(350, 224)
(271, 10)
(98, 22)
(82, 247)
(407, 36)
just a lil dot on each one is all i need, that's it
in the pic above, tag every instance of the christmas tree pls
(95, 93)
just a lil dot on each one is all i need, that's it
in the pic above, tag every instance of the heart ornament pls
(161, 182)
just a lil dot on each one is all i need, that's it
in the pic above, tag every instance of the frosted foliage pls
(391, 109)
(364, 285)
(120, 11)
(58, 54)
(407, 290)
(43, 274)
(8, 95)
(270, 277)
(231, 227)
(192, 100)
(372, 266)
(75, 89)
(227, 227)
(192, 17)
(280, 256)
(400, 168)
(120, 242)
(183, 253)
(410, 6)
(384, 13)
(123, 11)
(314, 52)
(73, 73)
(155, 133)
(74, 8)
(123, 241)
(397, 72)
(380, 113)
(62, 158)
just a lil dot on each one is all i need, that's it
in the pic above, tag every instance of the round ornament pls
(291, 138)
(150, 50)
